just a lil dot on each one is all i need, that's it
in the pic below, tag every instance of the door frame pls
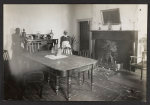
(78, 31)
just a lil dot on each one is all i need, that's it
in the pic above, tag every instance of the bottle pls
(109, 26)
(53, 48)
(24, 33)
(120, 28)
(51, 34)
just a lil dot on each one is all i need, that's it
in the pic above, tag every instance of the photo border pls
(2, 102)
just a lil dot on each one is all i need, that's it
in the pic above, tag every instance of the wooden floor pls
(108, 86)
(132, 79)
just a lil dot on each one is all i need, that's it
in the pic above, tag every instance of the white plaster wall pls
(80, 12)
(128, 16)
(36, 18)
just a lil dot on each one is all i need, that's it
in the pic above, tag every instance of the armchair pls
(141, 65)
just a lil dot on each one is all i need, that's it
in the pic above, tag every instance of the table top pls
(69, 63)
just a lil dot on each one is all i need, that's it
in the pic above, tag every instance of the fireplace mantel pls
(125, 36)
(114, 35)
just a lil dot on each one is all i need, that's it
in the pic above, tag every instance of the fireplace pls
(111, 47)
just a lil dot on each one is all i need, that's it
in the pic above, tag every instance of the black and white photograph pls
(75, 52)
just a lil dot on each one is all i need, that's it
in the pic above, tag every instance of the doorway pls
(84, 34)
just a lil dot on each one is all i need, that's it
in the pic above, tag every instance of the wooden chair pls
(31, 46)
(67, 51)
(11, 88)
(55, 43)
(34, 78)
(7, 69)
(7, 73)
(84, 53)
(5, 55)
(36, 46)
(49, 43)
(141, 65)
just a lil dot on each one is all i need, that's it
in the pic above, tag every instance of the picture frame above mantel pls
(111, 16)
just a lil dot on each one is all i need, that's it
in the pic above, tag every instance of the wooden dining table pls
(65, 66)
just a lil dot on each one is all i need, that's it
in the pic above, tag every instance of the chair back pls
(34, 77)
(85, 53)
(33, 46)
(67, 51)
(144, 59)
(55, 41)
(5, 55)
(7, 71)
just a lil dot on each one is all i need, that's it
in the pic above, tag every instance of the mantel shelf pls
(114, 35)
(113, 30)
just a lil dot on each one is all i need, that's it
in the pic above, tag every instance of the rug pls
(103, 90)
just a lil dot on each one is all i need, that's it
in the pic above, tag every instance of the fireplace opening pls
(109, 56)
(109, 53)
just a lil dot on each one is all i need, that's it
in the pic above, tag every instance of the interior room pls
(75, 52)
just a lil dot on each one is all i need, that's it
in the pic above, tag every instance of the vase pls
(109, 27)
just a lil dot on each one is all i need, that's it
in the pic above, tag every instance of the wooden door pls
(84, 35)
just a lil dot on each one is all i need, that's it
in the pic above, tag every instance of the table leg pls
(141, 73)
(36, 47)
(57, 84)
(92, 77)
(83, 77)
(30, 48)
(88, 74)
(79, 78)
(68, 85)
(49, 78)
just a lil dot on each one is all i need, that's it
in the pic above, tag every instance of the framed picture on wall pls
(111, 16)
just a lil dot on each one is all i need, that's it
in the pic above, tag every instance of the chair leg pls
(88, 74)
(141, 74)
(79, 78)
(83, 77)
(41, 90)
